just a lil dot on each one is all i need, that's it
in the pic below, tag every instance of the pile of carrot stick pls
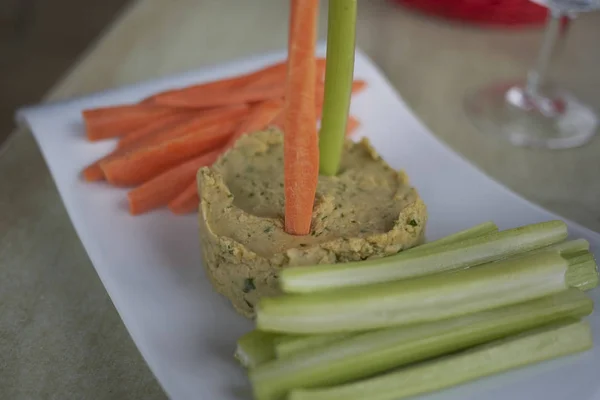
(164, 139)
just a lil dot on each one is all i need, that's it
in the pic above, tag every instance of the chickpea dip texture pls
(368, 210)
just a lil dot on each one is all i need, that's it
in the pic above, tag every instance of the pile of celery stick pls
(471, 304)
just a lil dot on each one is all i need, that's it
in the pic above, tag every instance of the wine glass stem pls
(536, 76)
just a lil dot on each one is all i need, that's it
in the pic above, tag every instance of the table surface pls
(60, 336)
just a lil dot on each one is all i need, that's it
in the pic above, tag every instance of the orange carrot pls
(358, 85)
(216, 93)
(93, 172)
(165, 132)
(224, 98)
(352, 125)
(200, 116)
(187, 201)
(109, 122)
(259, 118)
(301, 153)
(226, 84)
(145, 162)
(158, 124)
(160, 190)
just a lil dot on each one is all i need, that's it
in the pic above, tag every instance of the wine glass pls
(534, 113)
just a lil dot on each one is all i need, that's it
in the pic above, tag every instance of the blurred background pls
(39, 41)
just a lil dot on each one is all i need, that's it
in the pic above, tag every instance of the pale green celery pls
(572, 246)
(488, 359)
(475, 231)
(286, 345)
(428, 298)
(582, 272)
(292, 344)
(339, 71)
(373, 352)
(579, 257)
(466, 253)
(255, 347)
(568, 247)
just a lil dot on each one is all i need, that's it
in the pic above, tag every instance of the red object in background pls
(508, 13)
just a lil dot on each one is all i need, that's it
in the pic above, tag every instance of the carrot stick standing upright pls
(279, 79)
(301, 153)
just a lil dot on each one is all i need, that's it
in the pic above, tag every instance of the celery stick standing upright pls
(341, 33)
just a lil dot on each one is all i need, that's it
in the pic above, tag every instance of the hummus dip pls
(368, 210)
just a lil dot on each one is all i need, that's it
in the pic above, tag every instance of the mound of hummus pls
(368, 210)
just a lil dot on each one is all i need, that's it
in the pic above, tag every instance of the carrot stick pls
(259, 118)
(157, 125)
(160, 190)
(352, 125)
(93, 173)
(165, 132)
(187, 201)
(109, 122)
(224, 98)
(226, 84)
(358, 85)
(202, 116)
(145, 162)
(241, 89)
(341, 32)
(301, 153)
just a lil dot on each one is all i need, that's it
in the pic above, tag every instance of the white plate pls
(151, 268)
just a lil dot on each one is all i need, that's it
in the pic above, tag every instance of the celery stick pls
(572, 246)
(255, 347)
(582, 272)
(578, 258)
(475, 231)
(470, 252)
(341, 35)
(286, 345)
(499, 356)
(290, 344)
(423, 299)
(568, 247)
(373, 352)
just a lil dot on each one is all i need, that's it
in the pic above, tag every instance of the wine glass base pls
(554, 120)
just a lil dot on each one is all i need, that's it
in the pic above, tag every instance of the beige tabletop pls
(60, 336)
